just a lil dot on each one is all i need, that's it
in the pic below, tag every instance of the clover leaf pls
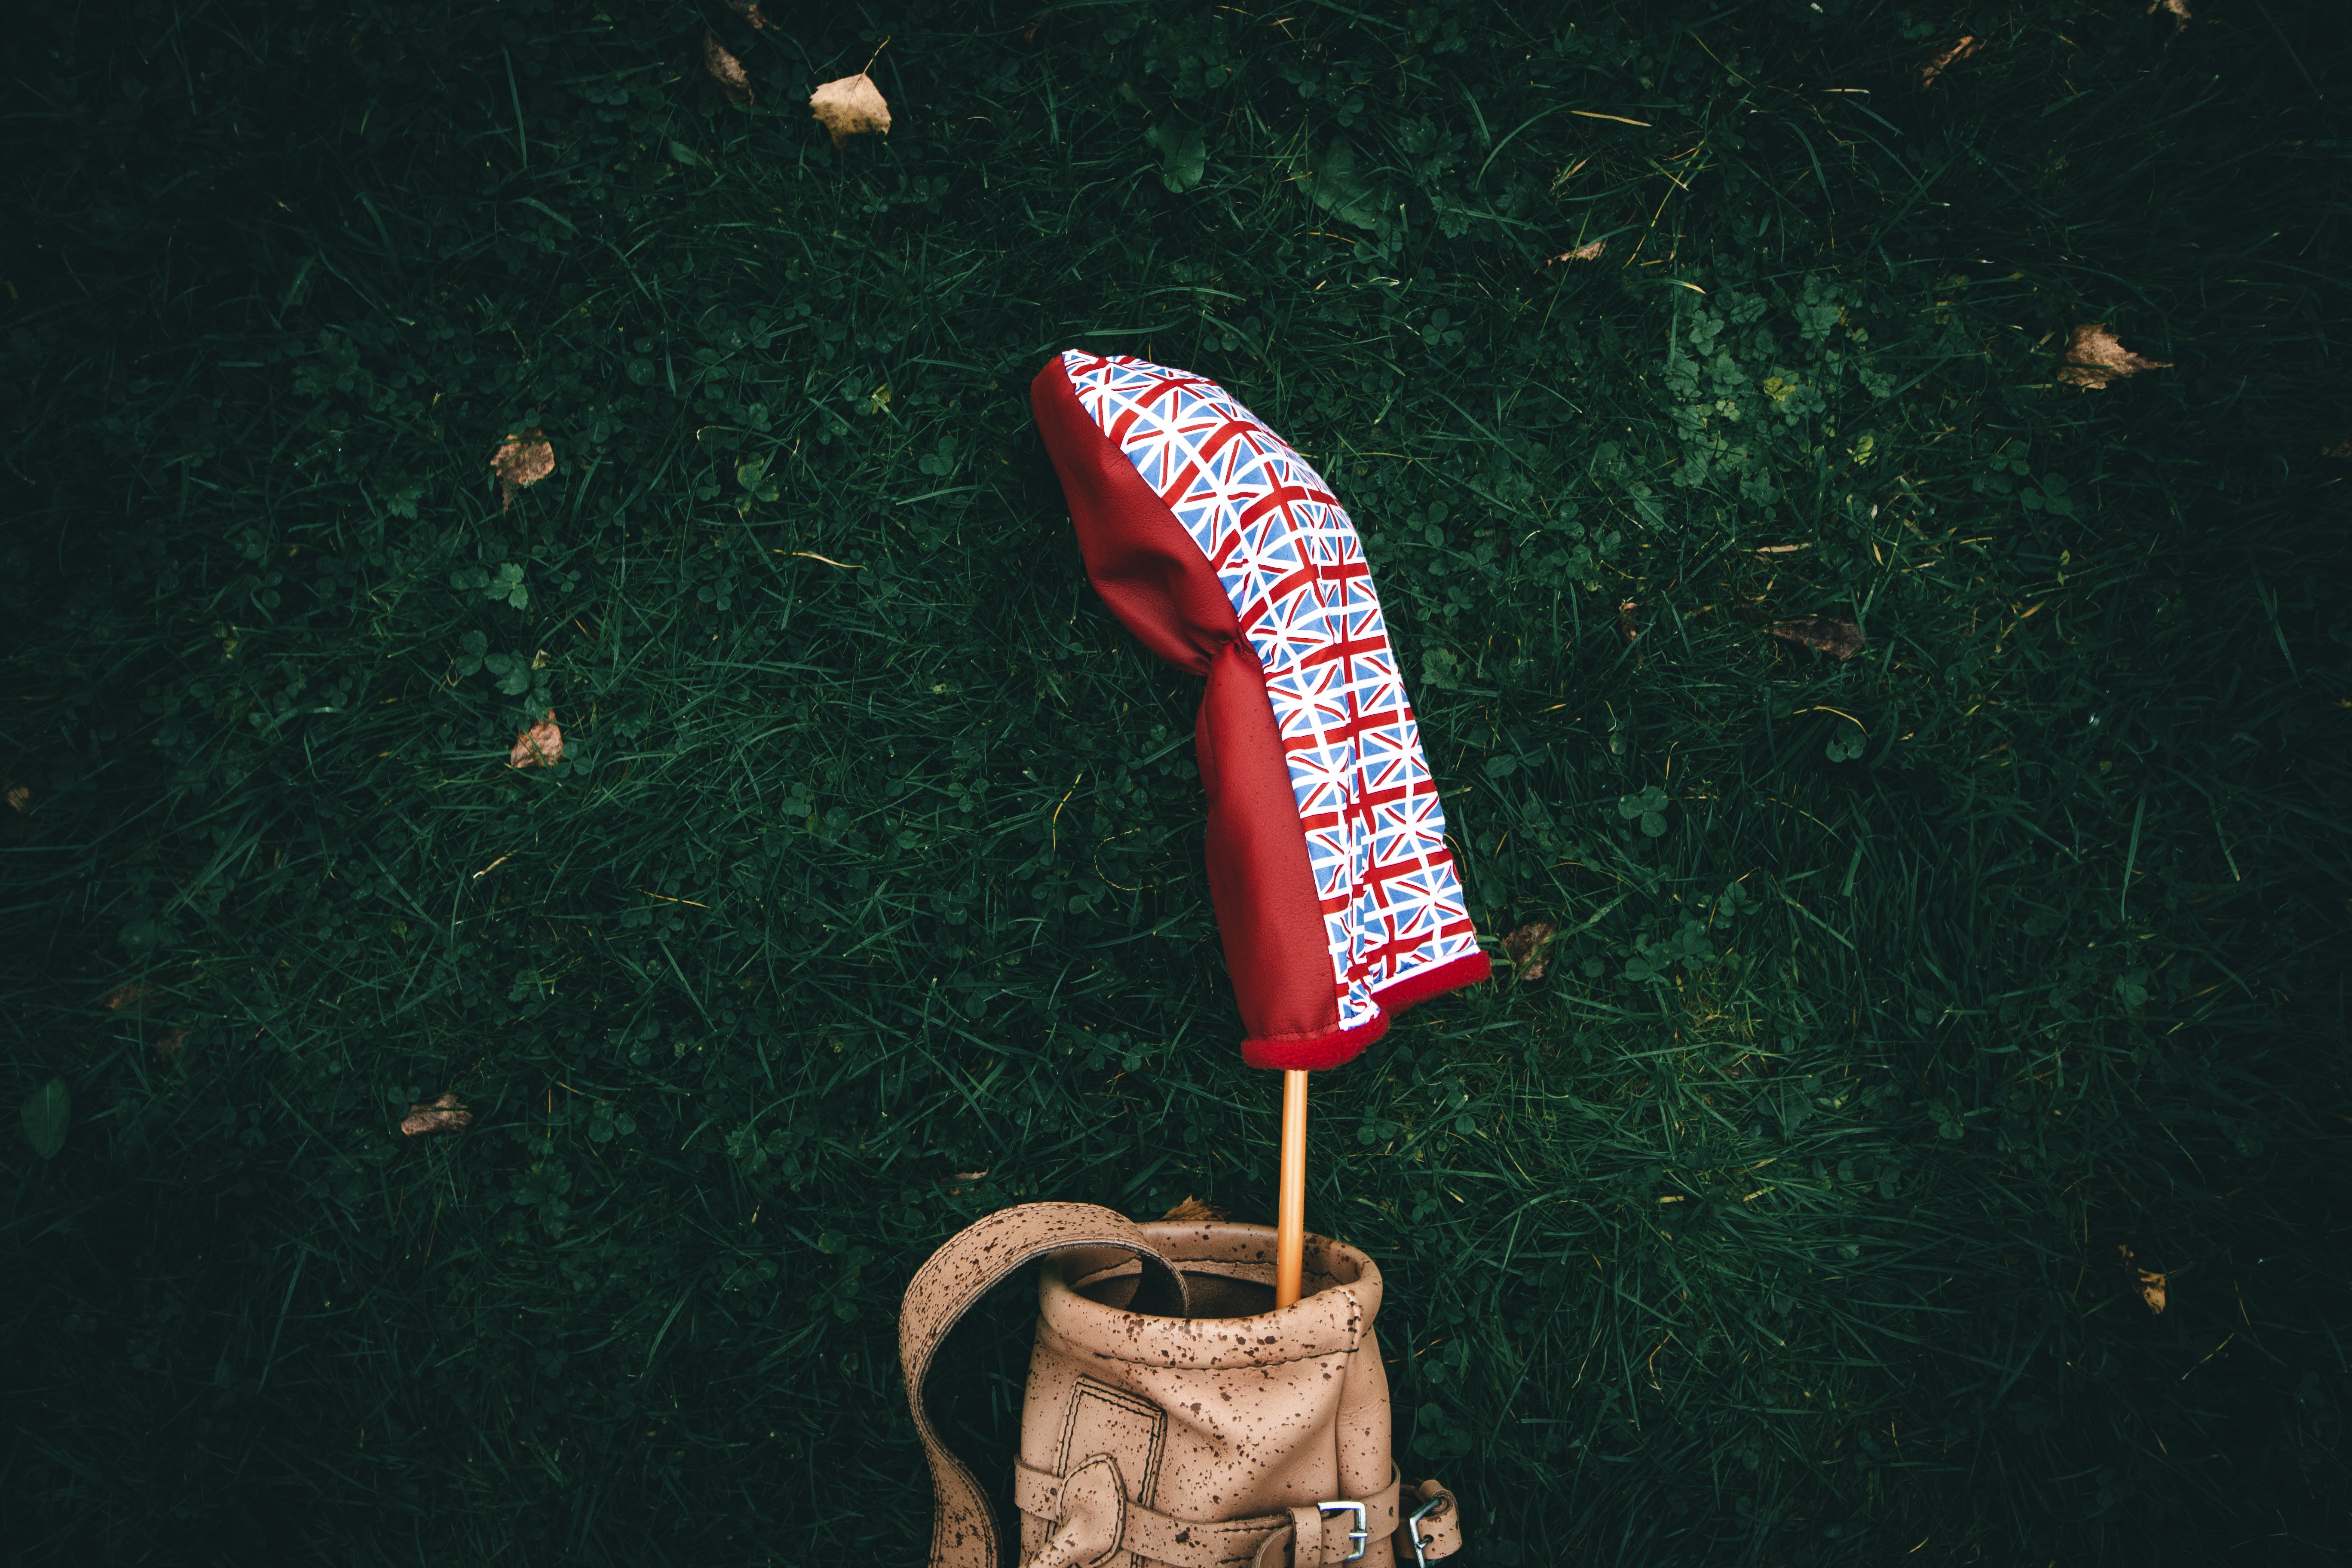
(1184, 153)
(506, 583)
(1648, 808)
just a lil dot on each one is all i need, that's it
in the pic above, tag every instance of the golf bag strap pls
(1431, 1523)
(964, 1532)
(1227, 1543)
(1438, 1531)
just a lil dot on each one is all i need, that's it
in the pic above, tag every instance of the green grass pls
(1777, 1224)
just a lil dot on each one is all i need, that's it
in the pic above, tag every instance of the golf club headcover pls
(1227, 555)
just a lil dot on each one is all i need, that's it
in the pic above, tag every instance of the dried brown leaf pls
(2179, 9)
(2341, 449)
(852, 106)
(1588, 252)
(521, 461)
(1966, 45)
(750, 12)
(963, 1180)
(171, 1044)
(1526, 947)
(133, 994)
(20, 796)
(2095, 358)
(727, 70)
(1824, 634)
(1192, 1209)
(1628, 619)
(541, 746)
(446, 1114)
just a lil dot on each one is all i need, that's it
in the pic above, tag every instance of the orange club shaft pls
(1290, 1207)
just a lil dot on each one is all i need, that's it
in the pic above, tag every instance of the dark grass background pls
(1778, 1223)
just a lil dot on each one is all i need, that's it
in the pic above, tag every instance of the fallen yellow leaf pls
(851, 106)
(2095, 358)
(1588, 252)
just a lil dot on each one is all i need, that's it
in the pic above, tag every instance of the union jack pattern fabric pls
(1289, 560)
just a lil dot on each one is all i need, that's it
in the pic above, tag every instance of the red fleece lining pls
(1314, 1053)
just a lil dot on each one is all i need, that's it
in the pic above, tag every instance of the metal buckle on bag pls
(1361, 1535)
(1412, 1528)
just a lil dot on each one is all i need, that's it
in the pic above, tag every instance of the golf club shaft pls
(1290, 1209)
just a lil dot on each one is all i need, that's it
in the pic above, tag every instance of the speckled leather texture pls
(1174, 1417)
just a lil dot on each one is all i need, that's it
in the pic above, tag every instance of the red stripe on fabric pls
(1285, 586)
(1376, 875)
(1279, 496)
(1346, 647)
(1226, 432)
(1404, 947)
(1385, 796)
(1354, 728)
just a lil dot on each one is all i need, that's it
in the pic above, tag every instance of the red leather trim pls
(1141, 559)
(1268, 913)
(1332, 1049)
(1423, 984)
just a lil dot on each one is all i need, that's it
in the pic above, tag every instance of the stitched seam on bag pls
(1024, 1255)
(1239, 1366)
(1255, 1525)
(1070, 1346)
(1260, 1524)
